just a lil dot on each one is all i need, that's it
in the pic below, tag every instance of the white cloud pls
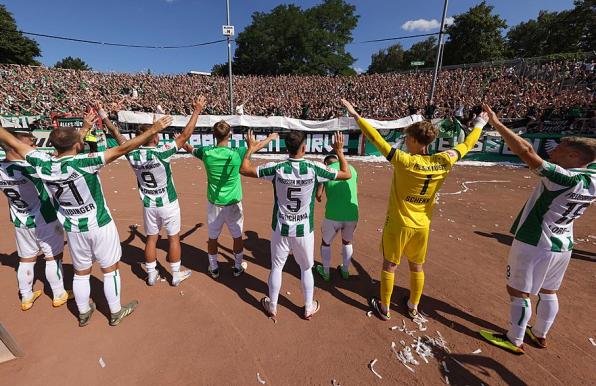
(169, 1)
(425, 25)
(359, 70)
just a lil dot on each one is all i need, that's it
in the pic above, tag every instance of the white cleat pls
(152, 278)
(179, 277)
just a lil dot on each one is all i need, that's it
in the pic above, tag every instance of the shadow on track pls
(508, 240)
(135, 256)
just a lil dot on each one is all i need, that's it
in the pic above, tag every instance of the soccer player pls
(543, 233)
(36, 226)
(151, 164)
(73, 181)
(417, 177)
(341, 215)
(295, 185)
(224, 193)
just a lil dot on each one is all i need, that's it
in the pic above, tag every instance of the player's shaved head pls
(294, 139)
(64, 138)
(153, 140)
(586, 147)
(329, 159)
(143, 128)
(424, 132)
(221, 130)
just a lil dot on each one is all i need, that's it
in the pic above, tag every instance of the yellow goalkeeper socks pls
(387, 279)
(416, 286)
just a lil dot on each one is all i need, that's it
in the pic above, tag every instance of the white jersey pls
(154, 174)
(295, 184)
(546, 221)
(29, 203)
(74, 183)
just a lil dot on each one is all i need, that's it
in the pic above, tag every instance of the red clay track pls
(214, 332)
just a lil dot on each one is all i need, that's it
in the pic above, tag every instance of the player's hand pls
(273, 136)
(89, 120)
(251, 142)
(186, 145)
(338, 142)
(491, 116)
(163, 122)
(349, 107)
(100, 111)
(199, 103)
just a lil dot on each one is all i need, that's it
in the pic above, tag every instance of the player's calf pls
(25, 277)
(520, 312)
(212, 253)
(55, 277)
(346, 252)
(416, 287)
(546, 312)
(239, 263)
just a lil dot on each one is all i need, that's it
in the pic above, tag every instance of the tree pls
(394, 58)
(555, 32)
(425, 51)
(71, 63)
(289, 40)
(220, 69)
(15, 48)
(475, 36)
(387, 60)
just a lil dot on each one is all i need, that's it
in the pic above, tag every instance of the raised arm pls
(370, 132)
(88, 121)
(115, 152)
(198, 105)
(344, 172)
(7, 139)
(260, 145)
(468, 144)
(186, 146)
(247, 168)
(519, 146)
(113, 129)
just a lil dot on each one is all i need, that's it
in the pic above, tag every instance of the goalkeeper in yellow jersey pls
(417, 177)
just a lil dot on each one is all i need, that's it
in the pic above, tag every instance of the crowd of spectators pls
(535, 91)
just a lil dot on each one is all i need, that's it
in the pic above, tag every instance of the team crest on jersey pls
(452, 153)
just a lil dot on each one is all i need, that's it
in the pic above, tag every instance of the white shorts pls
(530, 269)
(47, 239)
(329, 229)
(167, 217)
(231, 215)
(301, 247)
(98, 244)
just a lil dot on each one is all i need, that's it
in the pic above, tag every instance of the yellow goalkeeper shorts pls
(398, 240)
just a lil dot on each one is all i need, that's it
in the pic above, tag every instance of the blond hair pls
(424, 132)
(584, 145)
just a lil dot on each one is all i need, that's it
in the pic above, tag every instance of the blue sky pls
(173, 22)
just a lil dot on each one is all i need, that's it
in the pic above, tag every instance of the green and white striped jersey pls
(546, 221)
(154, 174)
(295, 184)
(29, 203)
(74, 184)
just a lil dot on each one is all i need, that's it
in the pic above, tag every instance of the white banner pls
(343, 123)
(21, 121)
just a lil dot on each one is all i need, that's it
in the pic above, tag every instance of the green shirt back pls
(224, 186)
(342, 197)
